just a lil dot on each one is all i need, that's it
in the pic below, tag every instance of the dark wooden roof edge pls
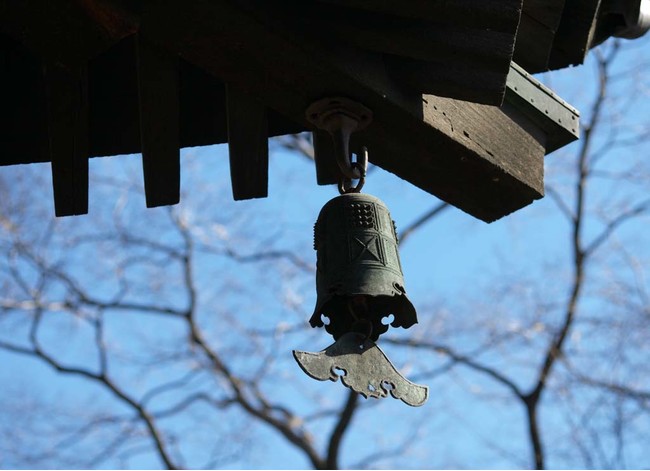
(554, 34)
(203, 70)
(480, 158)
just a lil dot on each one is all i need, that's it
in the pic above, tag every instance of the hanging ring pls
(361, 165)
(345, 184)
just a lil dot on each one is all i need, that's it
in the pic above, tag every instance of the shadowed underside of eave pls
(86, 78)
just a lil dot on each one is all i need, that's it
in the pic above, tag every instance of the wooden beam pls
(158, 94)
(461, 82)
(327, 170)
(23, 118)
(67, 118)
(540, 20)
(203, 116)
(286, 69)
(248, 145)
(445, 59)
(114, 111)
(575, 33)
(498, 163)
(501, 15)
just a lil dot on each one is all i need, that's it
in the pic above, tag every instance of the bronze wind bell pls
(359, 280)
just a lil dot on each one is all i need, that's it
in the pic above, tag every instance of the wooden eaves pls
(452, 113)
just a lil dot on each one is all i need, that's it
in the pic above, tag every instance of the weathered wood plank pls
(67, 118)
(407, 37)
(442, 59)
(248, 145)
(545, 12)
(498, 163)
(461, 82)
(539, 22)
(533, 46)
(158, 94)
(575, 33)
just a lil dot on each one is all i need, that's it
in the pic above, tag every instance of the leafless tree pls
(200, 285)
(563, 370)
(169, 331)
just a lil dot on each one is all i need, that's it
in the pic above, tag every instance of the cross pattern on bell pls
(359, 280)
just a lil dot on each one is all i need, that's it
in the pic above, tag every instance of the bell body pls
(359, 278)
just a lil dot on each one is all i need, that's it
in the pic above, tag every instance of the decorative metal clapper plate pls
(362, 367)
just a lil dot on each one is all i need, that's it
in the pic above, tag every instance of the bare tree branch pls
(561, 204)
(463, 360)
(285, 427)
(300, 143)
(614, 224)
(423, 219)
(104, 381)
(344, 420)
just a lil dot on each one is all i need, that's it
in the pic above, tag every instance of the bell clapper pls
(358, 270)
(366, 370)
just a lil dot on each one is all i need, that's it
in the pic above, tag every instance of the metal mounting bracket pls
(340, 117)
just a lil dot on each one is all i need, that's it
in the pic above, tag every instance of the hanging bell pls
(359, 280)
(360, 292)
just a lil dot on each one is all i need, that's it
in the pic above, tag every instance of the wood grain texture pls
(497, 163)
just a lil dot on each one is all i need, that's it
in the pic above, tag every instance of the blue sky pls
(462, 275)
